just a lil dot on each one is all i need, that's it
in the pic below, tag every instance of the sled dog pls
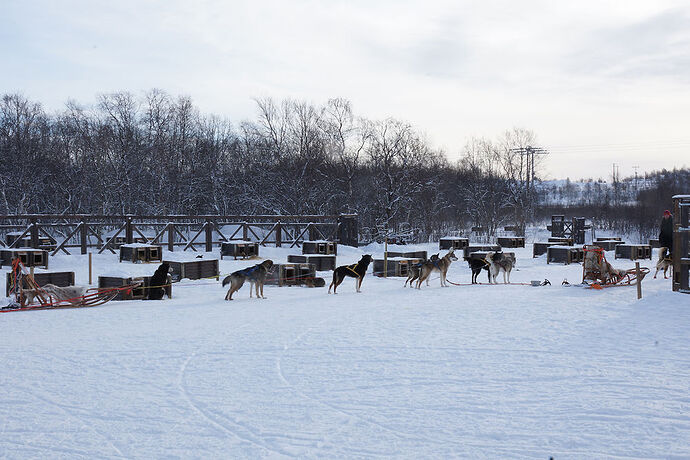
(357, 270)
(256, 275)
(441, 265)
(665, 262)
(477, 265)
(158, 282)
(499, 262)
(414, 270)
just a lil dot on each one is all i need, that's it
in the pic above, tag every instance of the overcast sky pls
(599, 82)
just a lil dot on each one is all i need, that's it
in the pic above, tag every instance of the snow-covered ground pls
(458, 372)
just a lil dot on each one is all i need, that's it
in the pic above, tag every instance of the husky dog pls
(357, 270)
(499, 262)
(665, 262)
(71, 294)
(477, 265)
(256, 276)
(158, 282)
(441, 265)
(414, 270)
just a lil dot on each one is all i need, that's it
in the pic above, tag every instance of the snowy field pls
(458, 372)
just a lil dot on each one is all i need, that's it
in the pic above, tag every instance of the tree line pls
(158, 154)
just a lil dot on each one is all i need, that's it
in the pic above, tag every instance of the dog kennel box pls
(654, 243)
(326, 248)
(564, 254)
(511, 241)
(61, 279)
(239, 248)
(193, 269)
(561, 240)
(407, 255)
(292, 274)
(44, 242)
(608, 244)
(141, 253)
(633, 251)
(29, 257)
(138, 293)
(540, 248)
(121, 240)
(453, 242)
(474, 248)
(397, 266)
(321, 262)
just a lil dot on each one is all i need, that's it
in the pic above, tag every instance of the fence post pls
(83, 237)
(209, 236)
(348, 230)
(34, 233)
(171, 236)
(129, 232)
(385, 258)
(279, 234)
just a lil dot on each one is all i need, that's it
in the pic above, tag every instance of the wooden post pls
(171, 236)
(90, 270)
(639, 280)
(385, 258)
(83, 236)
(245, 231)
(129, 232)
(34, 234)
(279, 234)
(209, 236)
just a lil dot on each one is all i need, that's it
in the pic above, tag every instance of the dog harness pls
(352, 269)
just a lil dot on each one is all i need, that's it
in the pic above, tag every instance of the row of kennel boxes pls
(139, 292)
(193, 269)
(325, 248)
(564, 254)
(633, 251)
(29, 257)
(453, 243)
(62, 279)
(46, 243)
(321, 262)
(511, 241)
(474, 248)
(395, 266)
(294, 275)
(141, 253)
(609, 243)
(239, 248)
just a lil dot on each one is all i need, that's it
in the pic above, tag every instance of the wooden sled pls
(598, 273)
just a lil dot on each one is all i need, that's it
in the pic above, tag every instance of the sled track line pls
(69, 413)
(210, 418)
(398, 433)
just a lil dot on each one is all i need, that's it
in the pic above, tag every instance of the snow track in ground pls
(464, 371)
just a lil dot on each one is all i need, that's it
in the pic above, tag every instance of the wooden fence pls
(105, 233)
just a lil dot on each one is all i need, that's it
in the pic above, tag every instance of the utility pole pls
(636, 167)
(528, 154)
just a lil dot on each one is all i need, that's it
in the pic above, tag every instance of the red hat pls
(667, 213)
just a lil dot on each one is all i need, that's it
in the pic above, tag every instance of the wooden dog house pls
(61, 279)
(564, 254)
(29, 257)
(633, 251)
(322, 247)
(193, 269)
(511, 241)
(141, 253)
(138, 293)
(453, 242)
(321, 262)
(239, 248)
(293, 275)
(397, 266)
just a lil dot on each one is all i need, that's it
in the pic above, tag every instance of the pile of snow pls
(466, 371)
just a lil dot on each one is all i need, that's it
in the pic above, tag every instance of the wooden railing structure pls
(104, 232)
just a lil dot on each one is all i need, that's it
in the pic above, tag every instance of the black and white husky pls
(500, 262)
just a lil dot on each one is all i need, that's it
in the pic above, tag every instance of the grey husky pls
(499, 262)
(440, 265)
(256, 275)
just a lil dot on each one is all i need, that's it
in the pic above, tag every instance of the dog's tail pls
(227, 280)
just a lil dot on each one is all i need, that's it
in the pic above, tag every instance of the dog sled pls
(42, 299)
(598, 273)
